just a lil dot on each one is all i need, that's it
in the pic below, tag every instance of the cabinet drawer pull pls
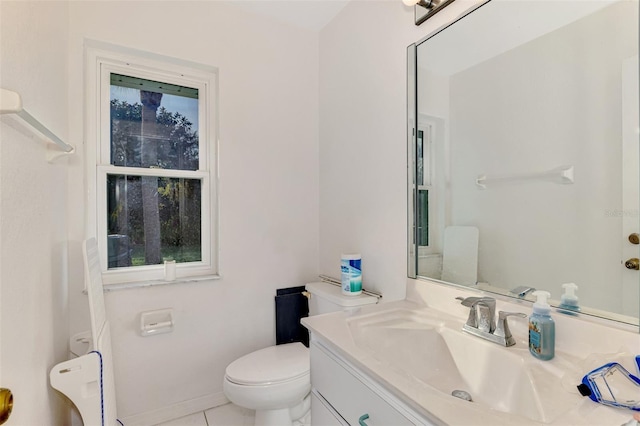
(362, 419)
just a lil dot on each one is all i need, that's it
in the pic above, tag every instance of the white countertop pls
(333, 331)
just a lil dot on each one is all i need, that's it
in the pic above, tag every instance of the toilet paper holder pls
(156, 322)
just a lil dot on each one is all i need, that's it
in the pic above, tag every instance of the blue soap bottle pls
(542, 328)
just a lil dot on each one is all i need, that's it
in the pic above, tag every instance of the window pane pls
(423, 217)
(420, 157)
(152, 219)
(153, 124)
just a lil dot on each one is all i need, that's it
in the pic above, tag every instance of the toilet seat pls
(272, 365)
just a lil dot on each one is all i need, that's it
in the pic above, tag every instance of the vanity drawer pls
(348, 395)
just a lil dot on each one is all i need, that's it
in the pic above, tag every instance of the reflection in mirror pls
(524, 152)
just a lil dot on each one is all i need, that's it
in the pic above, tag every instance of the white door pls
(33, 278)
(630, 185)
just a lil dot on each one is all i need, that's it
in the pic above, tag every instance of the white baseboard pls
(176, 411)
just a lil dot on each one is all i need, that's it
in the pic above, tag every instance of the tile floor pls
(225, 415)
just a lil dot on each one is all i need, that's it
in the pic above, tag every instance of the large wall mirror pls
(523, 139)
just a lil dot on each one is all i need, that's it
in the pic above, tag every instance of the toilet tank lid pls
(274, 364)
(333, 293)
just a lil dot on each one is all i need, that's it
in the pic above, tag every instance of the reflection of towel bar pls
(561, 175)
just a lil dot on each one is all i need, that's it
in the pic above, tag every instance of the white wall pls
(268, 193)
(363, 138)
(33, 231)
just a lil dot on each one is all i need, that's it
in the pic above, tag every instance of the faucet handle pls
(471, 301)
(502, 329)
(502, 315)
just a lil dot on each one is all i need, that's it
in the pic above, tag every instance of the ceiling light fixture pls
(424, 9)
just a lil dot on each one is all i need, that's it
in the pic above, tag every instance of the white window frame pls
(432, 129)
(427, 167)
(101, 60)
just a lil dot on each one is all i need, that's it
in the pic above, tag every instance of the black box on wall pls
(291, 306)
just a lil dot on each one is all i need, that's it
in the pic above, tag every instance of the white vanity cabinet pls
(343, 395)
(323, 413)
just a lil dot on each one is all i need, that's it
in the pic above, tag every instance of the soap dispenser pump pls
(542, 328)
(569, 301)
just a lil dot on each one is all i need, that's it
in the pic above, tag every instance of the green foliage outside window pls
(174, 145)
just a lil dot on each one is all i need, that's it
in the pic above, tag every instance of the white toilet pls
(275, 381)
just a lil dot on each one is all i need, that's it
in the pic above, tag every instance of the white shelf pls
(11, 103)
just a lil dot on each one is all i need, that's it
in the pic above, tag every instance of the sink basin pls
(429, 347)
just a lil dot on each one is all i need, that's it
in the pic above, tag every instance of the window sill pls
(153, 283)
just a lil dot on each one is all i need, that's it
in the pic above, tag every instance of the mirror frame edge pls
(412, 108)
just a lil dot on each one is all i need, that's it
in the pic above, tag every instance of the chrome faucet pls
(482, 312)
(481, 321)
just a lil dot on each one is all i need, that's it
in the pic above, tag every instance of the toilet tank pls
(326, 297)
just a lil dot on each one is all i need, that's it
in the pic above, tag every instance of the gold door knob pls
(634, 238)
(633, 263)
(6, 404)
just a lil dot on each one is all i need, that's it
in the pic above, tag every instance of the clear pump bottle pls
(542, 328)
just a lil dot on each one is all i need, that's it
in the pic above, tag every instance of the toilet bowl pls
(275, 381)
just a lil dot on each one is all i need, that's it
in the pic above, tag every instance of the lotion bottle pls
(542, 329)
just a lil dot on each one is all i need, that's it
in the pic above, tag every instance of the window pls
(431, 180)
(152, 169)
(424, 157)
(424, 185)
